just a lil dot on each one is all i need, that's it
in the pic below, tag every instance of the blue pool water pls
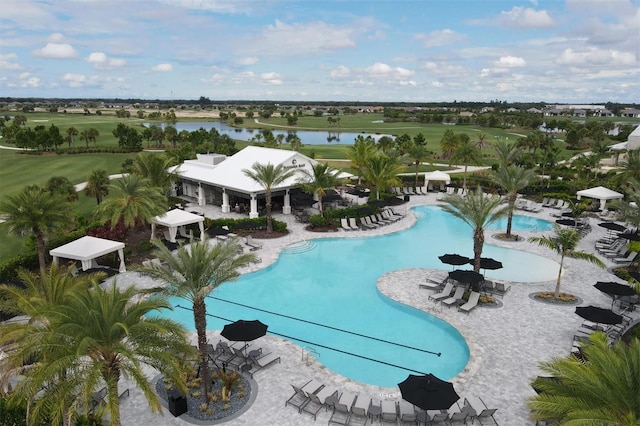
(334, 283)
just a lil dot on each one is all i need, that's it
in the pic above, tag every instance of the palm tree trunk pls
(200, 319)
(512, 204)
(320, 205)
(464, 179)
(417, 165)
(478, 243)
(556, 293)
(268, 206)
(40, 245)
(112, 377)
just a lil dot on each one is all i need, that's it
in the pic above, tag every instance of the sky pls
(555, 51)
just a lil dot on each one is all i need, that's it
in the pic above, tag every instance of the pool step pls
(300, 247)
(420, 214)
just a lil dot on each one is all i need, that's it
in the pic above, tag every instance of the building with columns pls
(219, 180)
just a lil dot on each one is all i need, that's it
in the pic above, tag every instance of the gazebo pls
(436, 176)
(87, 249)
(173, 219)
(600, 193)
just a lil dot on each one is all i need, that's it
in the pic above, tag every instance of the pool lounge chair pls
(458, 295)
(299, 398)
(382, 219)
(368, 221)
(313, 406)
(390, 216)
(481, 409)
(628, 259)
(359, 410)
(437, 416)
(263, 362)
(407, 412)
(471, 303)
(353, 224)
(345, 225)
(501, 289)
(252, 244)
(367, 225)
(389, 412)
(340, 415)
(443, 294)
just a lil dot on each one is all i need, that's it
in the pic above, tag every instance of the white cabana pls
(87, 249)
(437, 176)
(599, 193)
(174, 219)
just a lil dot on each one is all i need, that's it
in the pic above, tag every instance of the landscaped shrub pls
(247, 224)
(16, 414)
(317, 221)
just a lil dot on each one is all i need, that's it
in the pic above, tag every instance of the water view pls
(308, 137)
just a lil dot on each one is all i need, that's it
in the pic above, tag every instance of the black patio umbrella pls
(614, 289)
(568, 214)
(612, 226)
(631, 236)
(466, 277)
(378, 203)
(598, 315)
(566, 222)
(244, 330)
(487, 263)
(454, 259)
(428, 392)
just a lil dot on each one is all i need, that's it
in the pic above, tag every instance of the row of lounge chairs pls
(613, 332)
(373, 221)
(529, 205)
(242, 357)
(408, 190)
(447, 299)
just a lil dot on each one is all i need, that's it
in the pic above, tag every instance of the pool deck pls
(506, 344)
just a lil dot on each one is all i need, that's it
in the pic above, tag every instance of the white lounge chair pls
(345, 225)
(458, 295)
(252, 244)
(628, 259)
(471, 303)
(263, 362)
(443, 294)
(366, 224)
(353, 224)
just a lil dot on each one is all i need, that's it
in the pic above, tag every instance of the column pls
(286, 208)
(253, 214)
(225, 201)
(201, 198)
(123, 268)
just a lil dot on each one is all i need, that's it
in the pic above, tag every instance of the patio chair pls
(252, 244)
(299, 399)
(345, 225)
(482, 411)
(550, 202)
(458, 416)
(263, 362)
(437, 416)
(374, 220)
(545, 201)
(382, 219)
(340, 415)
(471, 303)
(366, 225)
(558, 205)
(457, 295)
(443, 294)
(313, 406)
(369, 222)
(390, 216)
(407, 411)
(628, 259)
(326, 393)
(359, 410)
(501, 289)
(389, 412)
(353, 224)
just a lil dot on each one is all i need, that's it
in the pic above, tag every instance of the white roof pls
(599, 193)
(437, 175)
(177, 217)
(229, 173)
(86, 248)
(618, 146)
(633, 141)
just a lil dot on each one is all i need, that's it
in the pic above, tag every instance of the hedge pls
(259, 223)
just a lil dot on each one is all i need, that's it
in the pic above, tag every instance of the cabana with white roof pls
(214, 178)
(600, 193)
(87, 249)
(437, 176)
(174, 219)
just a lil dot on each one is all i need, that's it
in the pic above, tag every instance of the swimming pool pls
(333, 283)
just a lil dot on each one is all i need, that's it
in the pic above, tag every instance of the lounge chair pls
(481, 409)
(345, 225)
(368, 221)
(437, 416)
(545, 201)
(353, 224)
(389, 412)
(558, 205)
(458, 295)
(458, 416)
(471, 303)
(628, 259)
(382, 219)
(501, 289)
(374, 220)
(367, 225)
(326, 393)
(443, 294)
(347, 399)
(263, 362)
(252, 244)
(407, 411)
(340, 415)
(299, 399)
(313, 406)
(359, 410)
(387, 214)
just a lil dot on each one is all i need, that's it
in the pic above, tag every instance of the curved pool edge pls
(388, 286)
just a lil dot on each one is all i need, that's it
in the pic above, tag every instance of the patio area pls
(506, 344)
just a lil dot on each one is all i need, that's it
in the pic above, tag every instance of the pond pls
(308, 137)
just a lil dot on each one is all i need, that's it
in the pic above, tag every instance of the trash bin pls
(177, 402)
(407, 197)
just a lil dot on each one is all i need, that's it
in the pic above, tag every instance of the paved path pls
(506, 344)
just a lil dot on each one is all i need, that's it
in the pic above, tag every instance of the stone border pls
(576, 302)
(496, 305)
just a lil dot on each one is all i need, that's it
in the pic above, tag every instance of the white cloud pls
(56, 51)
(55, 38)
(100, 61)
(436, 84)
(75, 80)
(7, 62)
(271, 78)
(163, 68)
(510, 61)
(220, 6)
(486, 72)
(26, 80)
(340, 72)
(440, 38)
(595, 56)
(378, 35)
(249, 60)
(520, 17)
(380, 70)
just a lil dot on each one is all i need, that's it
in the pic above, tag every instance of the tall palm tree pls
(193, 272)
(86, 137)
(359, 153)
(631, 169)
(35, 211)
(417, 153)
(602, 389)
(382, 172)
(93, 135)
(628, 210)
(280, 140)
(506, 153)
(512, 179)
(468, 153)
(478, 212)
(268, 176)
(132, 198)
(296, 143)
(482, 143)
(317, 180)
(564, 242)
(91, 340)
(154, 167)
(448, 144)
(72, 132)
(97, 185)
(60, 185)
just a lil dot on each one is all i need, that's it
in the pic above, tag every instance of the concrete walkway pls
(506, 344)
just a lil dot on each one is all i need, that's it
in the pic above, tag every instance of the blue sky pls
(350, 50)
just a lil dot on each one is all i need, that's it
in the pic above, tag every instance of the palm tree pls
(280, 140)
(93, 134)
(296, 143)
(418, 153)
(512, 179)
(132, 198)
(602, 389)
(35, 211)
(91, 340)
(482, 143)
(86, 137)
(60, 185)
(628, 210)
(72, 132)
(359, 153)
(448, 144)
(268, 176)
(468, 153)
(382, 172)
(564, 242)
(506, 153)
(193, 272)
(154, 167)
(630, 171)
(97, 185)
(478, 212)
(317, 180)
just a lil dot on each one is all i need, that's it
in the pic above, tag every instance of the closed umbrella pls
(428, 392)
(598, 315)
